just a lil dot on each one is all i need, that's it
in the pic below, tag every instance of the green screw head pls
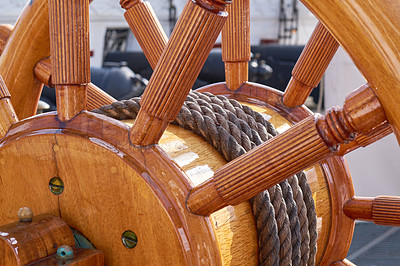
(129, 239)
(65, 252)
(56, 185)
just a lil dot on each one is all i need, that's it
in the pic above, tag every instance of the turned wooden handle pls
(191, 41)
(147, 29)
(298, 148)
(236, 44)
(310, 66)
(69, 41)
(383, 210)
(70, 53)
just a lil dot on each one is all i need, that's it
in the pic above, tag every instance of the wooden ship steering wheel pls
(123, 189)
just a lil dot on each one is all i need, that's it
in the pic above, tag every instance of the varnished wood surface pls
(82, 257)
(96, 97)
(148, 189)
(176, 72)
(311, 66)
(71, 99)
(5, 32)
(236, 44)
(306, 143)
(7, 113)
(331, 185)
(358, 26)
(147, 29)
(70, 52)
(25, 242)
(234, 226)
(341, 228)
(69, 41)
(27, 45)
(383, 210)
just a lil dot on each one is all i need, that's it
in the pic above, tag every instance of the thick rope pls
(282, 220)
(233, 129)
(302, 213)
(268, 240)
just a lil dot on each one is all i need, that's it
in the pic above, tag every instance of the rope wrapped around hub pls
(285, 214)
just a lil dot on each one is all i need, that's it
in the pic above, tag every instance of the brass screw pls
(129, 239)
(56, 185)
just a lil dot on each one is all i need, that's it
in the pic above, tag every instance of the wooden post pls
(7, 113)
(310, 66)
(70, 53)
(236, 44)
(96, 97)
(383, 210)
(191, 41)
(298, 148)
(146, 27)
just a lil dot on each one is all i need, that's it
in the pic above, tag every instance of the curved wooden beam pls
(372, 44)
(191, 41)
(298, 148)
(30, 35)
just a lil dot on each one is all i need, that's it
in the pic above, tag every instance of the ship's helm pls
(102, 191)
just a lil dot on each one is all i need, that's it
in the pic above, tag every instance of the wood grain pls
(234, 226)
(96, 97)
(178, 68)
(147, 29)
(321, 177)
(310, 66)
(7, 113)
(306, 143)
(82, 256)
(382, 210)
(26, 242)
(5, 32)
(341, 190)
(236, 44)
(70, 52)
(27, 45)
(357, 26)
(148, 189)
(69, 41)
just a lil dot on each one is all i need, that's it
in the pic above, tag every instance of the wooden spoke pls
(146, 27)
(69, 45)
(178, 68)
(298, 148)
(96, 97)
(310, 66)
(383, 210)
(27, 44)
(236, 44)
(367, 46)
(7, 113)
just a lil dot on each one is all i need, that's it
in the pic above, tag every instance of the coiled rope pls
(285, 214)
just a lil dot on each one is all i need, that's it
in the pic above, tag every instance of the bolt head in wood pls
(25, 214)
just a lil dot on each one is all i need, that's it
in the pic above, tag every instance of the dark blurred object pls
(270, 65)
(115, 78)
